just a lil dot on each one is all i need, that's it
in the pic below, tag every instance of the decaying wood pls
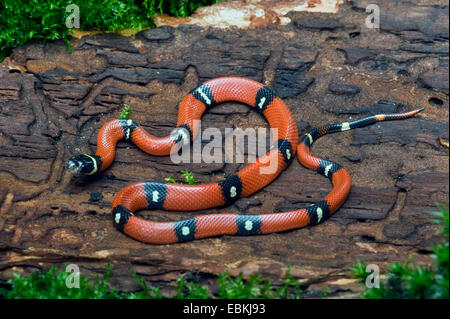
(55, 107)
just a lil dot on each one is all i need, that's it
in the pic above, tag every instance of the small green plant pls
(190, 290)
(407, 280)
(126, 111)
(188, 176)
(325, 291)
(171, 180)
(145, 293)
(358, 270)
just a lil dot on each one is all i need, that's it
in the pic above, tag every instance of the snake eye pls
(82, 165)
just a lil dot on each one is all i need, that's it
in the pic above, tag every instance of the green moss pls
(24, 20)
(256, 288)
(51, 284)
(407, 280)
(190, 290)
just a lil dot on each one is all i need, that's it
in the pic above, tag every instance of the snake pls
(153, 195)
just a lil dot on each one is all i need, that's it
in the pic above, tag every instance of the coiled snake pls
(250, 179)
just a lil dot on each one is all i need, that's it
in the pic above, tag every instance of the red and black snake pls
(168, 196)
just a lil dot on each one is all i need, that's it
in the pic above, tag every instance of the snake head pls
(83, 164)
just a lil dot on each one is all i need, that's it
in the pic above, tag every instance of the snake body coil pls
(168, 196)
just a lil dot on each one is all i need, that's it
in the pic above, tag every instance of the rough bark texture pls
(328, 68)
